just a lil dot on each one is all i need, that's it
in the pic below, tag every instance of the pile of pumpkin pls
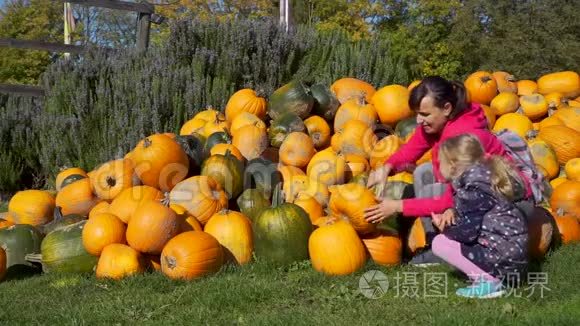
(281, 180)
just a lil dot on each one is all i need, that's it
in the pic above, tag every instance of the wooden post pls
(143, 27)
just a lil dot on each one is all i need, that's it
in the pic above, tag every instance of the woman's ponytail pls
(460, 104)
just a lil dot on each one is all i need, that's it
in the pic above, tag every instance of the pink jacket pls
(471, 121)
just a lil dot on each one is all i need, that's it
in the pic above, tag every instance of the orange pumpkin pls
(288, 172)
(557, 181)
(233, 230)
(566, 82)
(417, 237)
(568, 228)
(101, 231)
(217, 125)
(348, 88)
(550, 121)
(6, 221)
(545, 157)
(310, 205)
(193, 126)
(191, 255)
(297, 149)
(355, 109)
(504, 103)
(349, 201)
(540, 230)
(124, 205)
(570, 117)
(527, 87)
(566, 197)
(188, 222)
(34, 207)
(392, 104)
(572, 169)
(302, 183)
(383, 149)
(151, 226)
(534, 106)
(336, 249)
(118, 261)
(518, 123)
(565, 141)
(481, 87)
(505, 82)
(244, 119)
(222, 149)
(101, 207)
(201, 196)
(67, 173)
(245, 100)
(160, 162)
(554, 100)
(355, 137)
(384, 248)
(77, 198)
(490, 115)
(111, 178)
(251, 140)
(319, 131)
(413, 84)
(327, 167)
(355, 165)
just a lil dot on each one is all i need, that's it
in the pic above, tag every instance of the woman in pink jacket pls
(442, 112)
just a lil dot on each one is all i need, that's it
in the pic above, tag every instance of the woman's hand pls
(384, 209)
(441, 221)
(379, 175)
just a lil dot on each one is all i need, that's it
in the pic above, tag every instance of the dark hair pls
(442, 91)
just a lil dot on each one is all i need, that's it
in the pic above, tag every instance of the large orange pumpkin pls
(319, 131)
(201, 196)
(570, 117)
(101, 231)
(311, 187)
(550, 121)
(568, 228)
(566, 197)
(193, 126)
(251, 140)
(384, 248)
(481, 87)
(233, 230)
(504, 103)
(160, 162)
(572, 169)
(545, 157)
(222, 149)
(355, 109)
(355, 165)
(392, 104)
(124, 205)
(245, 100)
(77, 198)
(565, 141)
(244, 119)
(527, 87)
(348, 88)
(101, 207)
(151, 227)
(355, 137)
(349, 202)
(118, 261)
(505, 82)
(191, 255)
(34, 207)
(566, 82)
(554, 100)
(557, 181)
(534, 106)
(111, 178)
(336, 249)
(518, 123)
(327, 167)
(65, 173)
(383, 149)
(490, 115)
(297, 149)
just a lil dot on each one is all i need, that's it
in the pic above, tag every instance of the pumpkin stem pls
(278, 195)
(58, 213)
(532, 134)
(146, 142)
(165, 200)
(485, 79)
(511, 78)
(260, 92)
(33, 258)
(171, 262)
(111, 182)
(560, 211)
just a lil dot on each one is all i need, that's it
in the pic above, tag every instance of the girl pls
(490, 238)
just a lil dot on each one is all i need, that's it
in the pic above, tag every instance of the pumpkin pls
(124, 205)
(566, 197)
(288, 172)
(193, 147)
(383, 149)
(233, 230)
(417, 237)
(505, 82)
(404, 176)
(60, 221)
(550, 121)
(261, 174)
(34, 207)
(413, 84)
(307, 185)
(2, 263)
(481, 87)
(327, 167)
(534, 106)
(355, 165)
(5, 223)
(565, 141)
(251, 140)
(284, 125)
(214, 139)
(349, 202)
(527, 87)
(222, 149)
(557, 181)
(101, 207)
(77, 198)
(297, 149)
(18, 241)
(568, 228)
(191, 255)
(318, 130)
(244, 119)
(572, 169)
(515, 122)
(570, 117)
(281, 232)
(227, 170)
(504, 103)
(152, 262)
(201, 196)
(102, 230)
(355, 137)
(118, 261)
(325, 103)
(160, 162)
(151, 227)
(392, 104)
(251, 202)
(293, 97)
(62, 251)
(355, 109)
(246, 100)
(193, 126)
(406, 128)
(111, 178)
(384, 248)
(566, 82)
(69, 172)
(219, 124)
(490, 116)
(349, 88)
(544, 156)
(336, 249)
(187, 221)
(554, 100)
(309, 204)
(541, 231)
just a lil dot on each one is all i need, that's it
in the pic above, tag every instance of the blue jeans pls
(425, 187)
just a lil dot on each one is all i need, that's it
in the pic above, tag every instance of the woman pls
(442, 112)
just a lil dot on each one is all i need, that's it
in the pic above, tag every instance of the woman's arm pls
(410, 152)
(414, 207)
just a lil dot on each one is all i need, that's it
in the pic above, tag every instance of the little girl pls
(489, 240)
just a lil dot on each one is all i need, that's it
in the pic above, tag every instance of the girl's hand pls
(384, 209)
(379, 175)
(441, 221)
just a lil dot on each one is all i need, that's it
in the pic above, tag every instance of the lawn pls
(260, 294)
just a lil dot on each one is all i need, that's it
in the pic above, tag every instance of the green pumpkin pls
(281, 232)
(284, 125)
(262, 174)
(227, 170)
(60, 221)
(219, 137)
(293, 97)
(251, 203)
(405, 127)
(70, 179)
(325, 103)
(62, 251)
(193, 146)
(18, 241)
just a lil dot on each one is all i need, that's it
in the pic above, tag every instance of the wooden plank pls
(37, 45)
(26, 90)
(145, 8)
(143, 27)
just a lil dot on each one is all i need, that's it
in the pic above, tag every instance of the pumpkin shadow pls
(21, 271)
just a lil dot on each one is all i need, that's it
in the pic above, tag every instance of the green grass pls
(3, 207)
(258, 294)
